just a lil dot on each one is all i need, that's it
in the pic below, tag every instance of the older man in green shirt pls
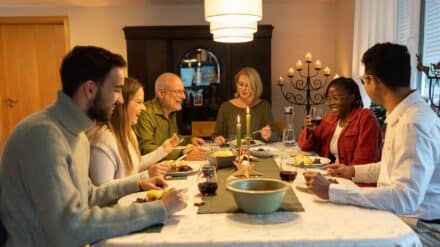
(158, 122)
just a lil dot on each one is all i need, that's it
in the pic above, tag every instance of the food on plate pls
(305, 160)
(188, 148)
(223, 153)
(180, 166)
(152, 195)
(247, 142)
(261, 149)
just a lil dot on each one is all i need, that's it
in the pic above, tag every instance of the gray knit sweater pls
(46, 195)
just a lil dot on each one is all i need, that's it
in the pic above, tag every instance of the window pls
(429, 38)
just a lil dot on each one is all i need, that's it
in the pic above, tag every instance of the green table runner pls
(223, 201)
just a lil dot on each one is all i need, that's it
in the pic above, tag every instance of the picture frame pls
(198, 100)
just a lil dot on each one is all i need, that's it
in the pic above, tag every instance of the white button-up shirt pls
(408, 175)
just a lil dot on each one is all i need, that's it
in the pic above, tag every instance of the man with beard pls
(158, 122)
(46, 196)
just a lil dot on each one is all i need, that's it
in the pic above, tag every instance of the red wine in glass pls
(316, 121)
(208, 188)
(288, 176)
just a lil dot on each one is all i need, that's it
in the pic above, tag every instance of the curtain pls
(374, 22)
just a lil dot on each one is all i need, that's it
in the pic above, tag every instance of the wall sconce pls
(233, 21)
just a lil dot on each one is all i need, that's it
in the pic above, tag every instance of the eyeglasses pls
(335, 99)
(242, 85)
(178, 91)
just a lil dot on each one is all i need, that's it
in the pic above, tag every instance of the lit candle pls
(318, 64)
(308, 57)
(238, 132)
(290, 72)
(281, 81)
(299, 65)
(248, 123)
(336, 76)
(327, 70)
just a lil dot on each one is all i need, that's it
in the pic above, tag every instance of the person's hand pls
(173, 200)
(159, 169)
(197, 141)
(219, 140)
(170, 143)
(317, 183)
(152, 183)
(340, 170)
(308, 123)
(266, 132)
(197, 153)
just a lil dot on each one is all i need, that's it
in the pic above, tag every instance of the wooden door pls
(31, 51)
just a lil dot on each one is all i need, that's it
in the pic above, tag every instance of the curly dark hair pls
(350, 86)
(390, 63)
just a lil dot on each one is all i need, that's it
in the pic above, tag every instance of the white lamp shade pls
(237, 38)
(233, 10)
(233, 28)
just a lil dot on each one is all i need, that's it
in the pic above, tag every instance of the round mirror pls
(199, 68)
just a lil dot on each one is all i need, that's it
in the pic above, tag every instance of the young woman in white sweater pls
(114, 148)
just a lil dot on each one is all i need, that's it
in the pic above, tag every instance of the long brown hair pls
(120, 125)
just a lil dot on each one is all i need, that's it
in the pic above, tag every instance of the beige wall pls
(321, 27)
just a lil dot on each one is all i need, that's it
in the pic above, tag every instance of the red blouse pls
(360, 141)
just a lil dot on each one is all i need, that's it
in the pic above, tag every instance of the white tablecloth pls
(322, 224)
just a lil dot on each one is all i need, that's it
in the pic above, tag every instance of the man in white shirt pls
(408, 175)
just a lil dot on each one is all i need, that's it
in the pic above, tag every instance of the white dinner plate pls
(194, 170)
(263, 151)
(130, 198)
(322, 161)
(256, 143)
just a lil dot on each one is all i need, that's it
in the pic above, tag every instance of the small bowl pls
(258, 195)
(222, 161)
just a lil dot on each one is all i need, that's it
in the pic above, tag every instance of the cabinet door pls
(257, 55)
(147, 59)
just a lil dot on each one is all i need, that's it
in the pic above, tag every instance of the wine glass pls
(316, 115)
(287, 172)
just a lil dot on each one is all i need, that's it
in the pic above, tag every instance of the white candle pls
(327, 70)
(336, 76)
(318, 64)
(281, 81)
(308, 57)
(290, 72)
(299, 65)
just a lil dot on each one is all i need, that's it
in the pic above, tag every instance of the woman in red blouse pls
(349, 134)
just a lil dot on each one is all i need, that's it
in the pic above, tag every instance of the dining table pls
(320, 223)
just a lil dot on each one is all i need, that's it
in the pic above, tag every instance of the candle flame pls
(238, 118)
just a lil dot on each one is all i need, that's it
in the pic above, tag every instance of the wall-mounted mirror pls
(199, 67)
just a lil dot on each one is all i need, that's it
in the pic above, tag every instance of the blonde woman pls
(114, 148)
(248, 92)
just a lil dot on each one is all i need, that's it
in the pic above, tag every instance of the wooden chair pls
(202, 128)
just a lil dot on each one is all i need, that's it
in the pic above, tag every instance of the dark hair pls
(350, 86)
(390, 63)
(85, 63)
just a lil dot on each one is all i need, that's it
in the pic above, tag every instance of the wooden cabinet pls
(153, 50)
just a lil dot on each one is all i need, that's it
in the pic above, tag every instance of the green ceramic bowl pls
(258, 195)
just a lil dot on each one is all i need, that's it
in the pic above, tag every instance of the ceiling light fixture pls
(233, 21)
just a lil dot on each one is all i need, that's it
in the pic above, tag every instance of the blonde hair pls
(255, 85)
(120, 125)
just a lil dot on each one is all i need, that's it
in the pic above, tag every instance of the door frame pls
(5, 20)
